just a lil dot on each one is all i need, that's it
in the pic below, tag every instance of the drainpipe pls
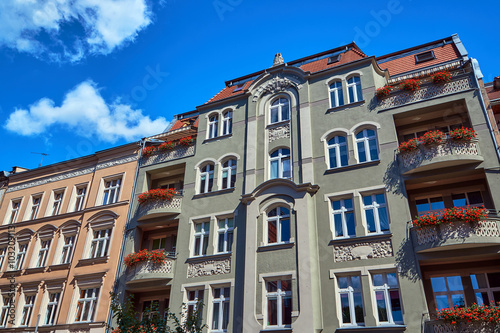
(142, 143)
(479, 75)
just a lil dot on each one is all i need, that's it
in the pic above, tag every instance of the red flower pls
(166, 146)
(155, 256)
(186, 141)
(441, 77)
(157, 194)
(411, 85)
(383, 92)
(432, 137)
(148, 151)
(463, 134)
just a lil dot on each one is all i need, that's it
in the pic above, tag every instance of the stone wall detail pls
(279, 132)
(209, 267)
(363, 250)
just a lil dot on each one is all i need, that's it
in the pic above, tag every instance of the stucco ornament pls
(275, 85)
(209, 267)
(280, 132)
(364, 250)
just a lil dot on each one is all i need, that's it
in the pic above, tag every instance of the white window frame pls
(104, 239)
(336, 91)
(375, 206)
(57, 200)
(229, 170)
(69, 247)
(3, 250)
(279, 109)
(350, 291)
(281, 158)
(15, 206)
(194, 303)
(278, 219)
(82, 301)
(27, 310)
(279, 295)
(385, 288)
(21, 254)
(208, 174)
(80, 198)
(336, 150)
(365, 140)
(342, 212)
(203, 235)
(35, 206)
(353, 85)
(52, 308)
(213, 126)
(6, 305)
(223, 302)
(227, 122)
(43, 252)
(111, 190)
(225, 231)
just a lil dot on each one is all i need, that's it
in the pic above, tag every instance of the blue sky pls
(86, 75)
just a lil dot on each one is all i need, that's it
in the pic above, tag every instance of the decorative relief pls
(448, 148)
(173, 204)
(275, 85)
(280, 132)
(177, 152)
(363, 250)
(151, 268)
(457, 230)
(209, 267)
(426, 92)
(72, 174)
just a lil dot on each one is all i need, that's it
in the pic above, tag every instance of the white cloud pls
(85, 112)
(88, 26)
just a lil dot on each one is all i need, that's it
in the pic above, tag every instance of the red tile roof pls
(492, 93)
(322, 64)
(229, 92)
(185, 122)
(407, 63)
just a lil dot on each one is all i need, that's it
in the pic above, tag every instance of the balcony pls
(159, 208)
(177, 152)
(148, 271)
(448, 153)
(439, 326)
(456, 235)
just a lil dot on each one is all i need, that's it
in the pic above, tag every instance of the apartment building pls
(294, 207)
(61, 231)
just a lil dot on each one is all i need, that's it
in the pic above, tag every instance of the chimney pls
(278, 60)
(496, 83)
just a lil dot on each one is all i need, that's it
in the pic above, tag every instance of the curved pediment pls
(279, 182)
(271, 83)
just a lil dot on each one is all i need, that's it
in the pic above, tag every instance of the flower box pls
(463, 134)
(432, 137)
(471, 314)
(411, 85)
(451, 215)
(383, 92)
(157, 194)
(148, 151)
(441, 77)
(155, 256)
(166, 146)
(186, 141)
(409, 146)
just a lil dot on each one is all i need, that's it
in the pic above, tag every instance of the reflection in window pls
(351, 300)
(279, 303)
(428, 205)
(387, 298)
(280, 164)
(343, 218)
(354, 89)
(467, 199)
(448, 291)
(278, 222)
(375, 207)
(486, 287)
(337, 151)
(366, 141)
(280, 110)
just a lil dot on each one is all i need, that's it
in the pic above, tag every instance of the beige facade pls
(60, 237)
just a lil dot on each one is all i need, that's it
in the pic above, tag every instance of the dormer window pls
(334, 59)
(239, 87)
(424, 56)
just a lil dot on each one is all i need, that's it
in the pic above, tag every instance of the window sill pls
(349, 240)
(351, 167)
(16, 272)
(58, 267)
(218, 192)
(34, 270)
(277, 124)
(277, 329)
(225, 136)
(92, 261)
(209, 257)
(278, 246)
(345, 106)
(381, 328)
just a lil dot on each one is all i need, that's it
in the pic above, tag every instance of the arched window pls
(213, 124)
(337, 152)
(366, 141)
(228, 173)
(336, 94)
(280, 164)
(354, 89)
(206, 178)
(278, 225)
(227, 123)
(280, 110)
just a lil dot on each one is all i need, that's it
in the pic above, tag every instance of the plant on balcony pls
(148, 151)
(474, 313)
(186, 141)
(441, 77)
(383, 92)
(411, 85)
(451, 215)
(463, 134)
(155, 256)
(409, 146)
(157, 194)
(166, 146)
(432, 137)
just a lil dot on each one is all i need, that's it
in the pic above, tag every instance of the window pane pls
(336, 205)
(229, 241)
(494, 279)
(437, 203)
(438, 284)
(343, 156)
(367, 200)
(442, 302)
(285, 230)
(454, 283)
(285, 112)
(197, 246)
(286, 168)
(274, 115)
(156, 244)
(272, 312)
(459, 200)
(392, 279)
(272, 233)
(220, 247)
(397, 314)
(358, 308)
(381, 306)
(351, 94)
(378, 280)
(287, 310)
(359, 92)
(422, 205)
(343, 282)
(361, 152)
(475, 198)
(272, 286)
(346, 313)
(340, 94)
(482, 298)
(356, 282)
(478, 281)
(215, 321)
(333, 157)
(274, 169)
(380, 198)
(338, 225)
(370, 220)
(286, 285)
(384, 220)
(351, 229)
(373, 149)
(225, 315)
(458, 300)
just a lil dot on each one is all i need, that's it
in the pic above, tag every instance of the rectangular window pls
(201, 233)
(225, 232)
(43, 253)
(194, 299)
(2, 256)
(100, 243)
(111, 191)
(50, 316)
(4, 315)
(279, 303)
(448, 291)
(486, 287)
(29, 301)
(56, 205)
(351, 300)
(35, 205)
(377, 218)
(387, 298)
(80, 198)
(467, 199)
(150, 309)
(67, 249)
(21, 254)
(87, 305)
(220, 303)
(278, 225)
(424, 56)
(343, 218)
(429, 205)
(14, 210)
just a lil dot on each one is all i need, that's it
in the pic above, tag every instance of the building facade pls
(295, 208)
(61, 231)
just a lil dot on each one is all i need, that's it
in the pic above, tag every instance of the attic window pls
(239, 87)
(334, 59)
(424, 56)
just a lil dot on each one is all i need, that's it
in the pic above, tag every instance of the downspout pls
(142, 143)
(478, 74)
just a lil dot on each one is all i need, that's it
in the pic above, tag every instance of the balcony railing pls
(482, 233)
(177, 152)
(160, 207)
(149, 271)
(439, 326)
(427, 91)
(447, 153)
